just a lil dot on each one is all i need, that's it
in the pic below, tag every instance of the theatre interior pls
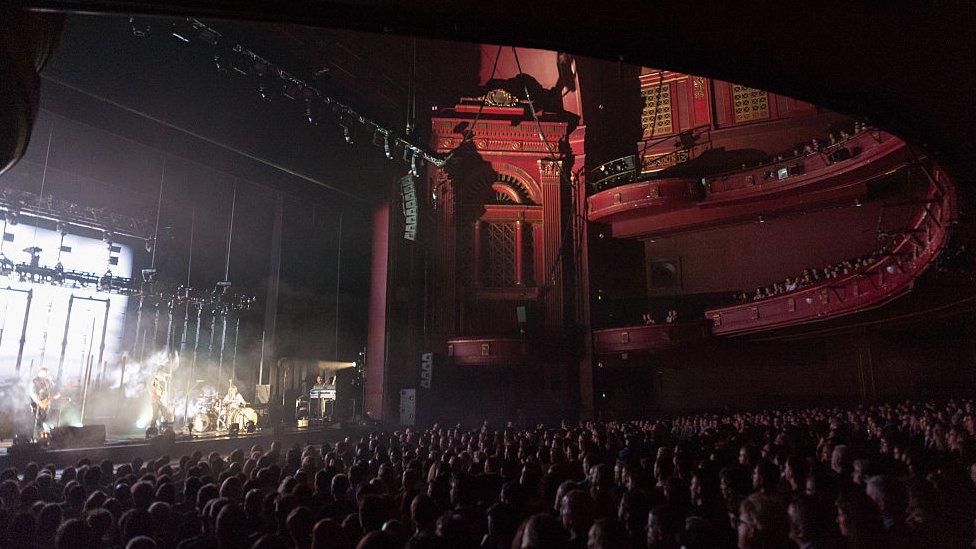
(432, 250)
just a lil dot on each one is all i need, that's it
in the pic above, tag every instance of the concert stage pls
(124, 449)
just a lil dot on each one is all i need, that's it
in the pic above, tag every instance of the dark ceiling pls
(103, 75)
(909, 66)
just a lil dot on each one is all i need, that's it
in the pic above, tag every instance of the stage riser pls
(123, 453)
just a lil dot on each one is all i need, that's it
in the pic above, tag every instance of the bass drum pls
(244, 416)
(203, 422)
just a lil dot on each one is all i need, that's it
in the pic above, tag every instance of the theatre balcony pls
(886, 275)
(649, 337)
(837, 171)
(483, 351)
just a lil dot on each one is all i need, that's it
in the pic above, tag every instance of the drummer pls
(233, 402)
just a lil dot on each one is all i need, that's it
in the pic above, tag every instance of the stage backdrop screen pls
(46, 339)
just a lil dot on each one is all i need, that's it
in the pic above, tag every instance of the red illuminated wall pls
(751, 254)
(552, 70)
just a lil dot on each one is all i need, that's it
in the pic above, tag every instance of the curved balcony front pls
(865, 156)
(876, 284)
(838, 172)
(490, 350)
(650, 337)
(642, 198)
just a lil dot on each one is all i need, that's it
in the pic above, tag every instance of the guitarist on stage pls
(157, 396)
(41, 392)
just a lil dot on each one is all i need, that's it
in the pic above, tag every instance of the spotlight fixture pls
(149, 276)
(209, 35)
(105, 282)
(139, 27)
(762, 219)
(310, 115)
(346, 134)
(292, 88)
(6, 265)
(857, 202)
(386, 146)
(182, 31)
(221, 288)
(414, 170)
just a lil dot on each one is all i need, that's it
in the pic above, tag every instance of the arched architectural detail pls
(500, 182)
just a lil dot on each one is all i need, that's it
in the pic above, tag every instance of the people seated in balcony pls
(672, 316)
(813, 276)
(647, 318)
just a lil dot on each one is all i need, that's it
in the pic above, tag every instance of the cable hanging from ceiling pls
(274, 82)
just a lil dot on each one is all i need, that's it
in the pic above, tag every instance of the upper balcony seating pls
(834, 171)
(873, 283)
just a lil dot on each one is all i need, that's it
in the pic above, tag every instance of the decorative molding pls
(500, 98)
(698, 85)
(657, 162)
(550, 168)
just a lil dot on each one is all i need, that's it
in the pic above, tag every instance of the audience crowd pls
(891, 475)
(814, 146)
(810, 277)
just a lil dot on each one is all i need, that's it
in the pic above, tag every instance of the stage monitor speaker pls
(89, 436)
(262, 394)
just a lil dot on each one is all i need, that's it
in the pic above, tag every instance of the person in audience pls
(891, 475)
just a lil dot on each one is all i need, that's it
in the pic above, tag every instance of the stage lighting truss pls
(274, 83)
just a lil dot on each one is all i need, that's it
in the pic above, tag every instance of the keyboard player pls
(322, 397)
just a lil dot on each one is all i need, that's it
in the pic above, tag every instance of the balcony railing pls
(871, 286)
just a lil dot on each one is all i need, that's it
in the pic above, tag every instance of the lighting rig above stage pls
(273, 83)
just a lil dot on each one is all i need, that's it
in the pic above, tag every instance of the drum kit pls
(211, 414)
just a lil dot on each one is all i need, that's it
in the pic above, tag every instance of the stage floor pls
(123, 448)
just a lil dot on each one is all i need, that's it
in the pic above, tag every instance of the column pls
(476, 254)
(519, 254)
(550, 172)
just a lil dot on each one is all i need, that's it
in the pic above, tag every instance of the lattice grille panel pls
(501, 255)
(656, 115)
(749, 103)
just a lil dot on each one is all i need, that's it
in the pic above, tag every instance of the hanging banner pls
(408, 191)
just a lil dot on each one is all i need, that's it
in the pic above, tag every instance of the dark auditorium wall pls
(752, 254)
(922, 361)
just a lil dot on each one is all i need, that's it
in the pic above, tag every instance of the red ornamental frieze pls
(499, 145)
